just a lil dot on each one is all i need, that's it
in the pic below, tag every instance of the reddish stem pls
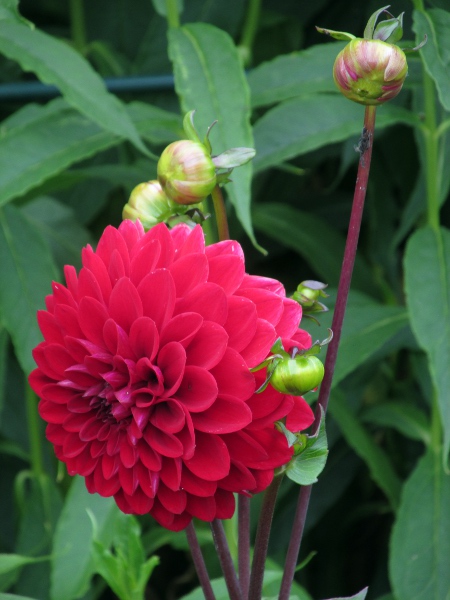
(244, 543)
(365, 150)
(226, 562)
(199, 563)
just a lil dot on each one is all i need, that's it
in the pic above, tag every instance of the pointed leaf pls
(359, 596)
(368, 31)
(307, 466)
(402, 416)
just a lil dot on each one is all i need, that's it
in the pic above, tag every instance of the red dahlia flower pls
(144, 373)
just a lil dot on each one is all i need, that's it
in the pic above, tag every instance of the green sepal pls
(310, 456)
(222, 178)
(390, 31)
(416, 48)
(337, 35)
(290, 437)
(206, 141)
(189, 127)
(234, 157)
(370, 27)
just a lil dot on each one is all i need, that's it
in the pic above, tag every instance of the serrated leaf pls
(427, 285)
(209, 79)
(420, 544)
(55, 62)
(305, 468)
(28, 268)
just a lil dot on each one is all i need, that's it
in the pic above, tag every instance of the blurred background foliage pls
(379, 515)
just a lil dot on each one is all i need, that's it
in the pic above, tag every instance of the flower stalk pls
(221, 213)
(199, 562)
(226, 562)
(244, 543)
(34, 433)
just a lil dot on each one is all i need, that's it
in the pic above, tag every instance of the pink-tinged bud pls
(186, 172)
(149, 204)
(297, 375)
(370, 72)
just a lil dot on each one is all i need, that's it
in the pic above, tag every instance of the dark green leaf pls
(359, 596)
(9, 11)
(427, 284)
(160, 7)
(420, 544)
(209, 79)
(402, 416)
(10, 562)
(28, 268)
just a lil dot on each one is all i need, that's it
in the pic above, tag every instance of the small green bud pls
(297, 375)
(149, 204)
(186, 172)
(370, 72)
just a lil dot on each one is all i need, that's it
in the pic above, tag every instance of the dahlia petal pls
(116, 340)
(144, 338)
(113, 443)
(260, 345)
(79, 377)
(168, 416)
(105, 487)
(239, 478)
(301, 416)
(280, 452)
(61, 295)
(58, 357)
(92, 316)
(171, 473)
(233, 377)
(171, 361)
(128, 453)
(131, 232)
(164, 443)
(97, 267)
(197, 486)
(70, 275)
(148, 481)
(174, 502)
(226, 247)
(162, 234)
(225, 504)
(188, 241)
(283, 405)
(56, 393)
(42, 363)
(161, 514)
(76, 348)
(157, 292)
(181, 328)
(187, 436)
(90, 429)
(243, 447)
(125, 305)
(128, 479)
(301, 339)
(201, 508)
(144, 261)
(188, 272)
(241, 322)
(74, 422)
(79, 404)
(72, 445)
(55, 434)
(141, 417)
(49, 327)
(198, 389)
(227, 271)
(38, 380)
(96, 448)
(51, 412)
(136, 504)
(112, 243)
(83, 464)
(211, 460)
(96, 366)
(268, 305)
(263, 479)
(88, 286)
(110, 465)
(265, 283)
(208, 300)
(291, 317)
(225, 416)
(67, 318)
(150, 459)
(208, 346)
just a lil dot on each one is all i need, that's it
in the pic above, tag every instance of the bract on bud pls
(297, 375)
(370, 72)
(149, 204)
(186, 172)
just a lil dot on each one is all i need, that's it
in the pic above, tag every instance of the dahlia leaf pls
(55, 62)
(210, 79)
(359, 596)
(420, 543)
(427, 284)
(310, 462)
(402, 416)
(11, 562)
(28, 268)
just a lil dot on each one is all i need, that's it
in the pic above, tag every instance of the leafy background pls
(379, 515)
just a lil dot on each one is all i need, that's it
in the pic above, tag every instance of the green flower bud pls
(149, 204)
(370, 71)
(297, 375)
(186, 172)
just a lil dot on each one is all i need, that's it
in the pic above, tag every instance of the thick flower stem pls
(244, 543)
(262, 539)
(365, 150)
(226, 562)
(77, 25)
(199, 563)
(221, 213)
(34, 432)
(173, 18)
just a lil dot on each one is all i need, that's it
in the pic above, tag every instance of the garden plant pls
(224, 300)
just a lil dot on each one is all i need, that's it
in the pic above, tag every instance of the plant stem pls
(34, 431)
(199, 563)
(250, 29)
(226, 562)
(262, 539)
(77, 27)
(244, 543)
(173, 18)
(221, 213)
(365, 149)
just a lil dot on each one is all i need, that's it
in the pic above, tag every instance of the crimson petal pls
(125, 305)
(208, 346)
(157, 292)
(225, 416)
(211, 460)
(198, 389)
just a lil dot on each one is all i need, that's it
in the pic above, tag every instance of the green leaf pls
(296, 74)
(55, 62)
(72, 565)
(364, 445)
(435, 24)
(160, 7)
(28, 268)
(427, 285)
(305, 233)
(307, 466)
(402, 416)
(14, 597)
(10, 562)
(359, 596)
(304, 124)
(209, 79)
(420, 544)
(9, 11)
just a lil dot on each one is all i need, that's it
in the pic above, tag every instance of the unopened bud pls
(186, 172)
(297, 375)
(370, 72)
(149, 204)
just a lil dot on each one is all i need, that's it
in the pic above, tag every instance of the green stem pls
(173, 18)
(221, 213)
(250, 29)
(77, 26)
(34, 431)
